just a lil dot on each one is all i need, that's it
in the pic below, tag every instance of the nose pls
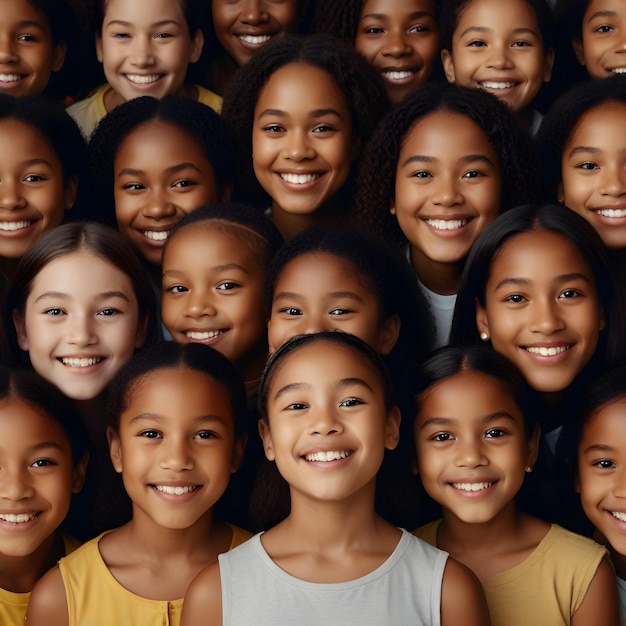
(446, 193)
(175, 454)
(546, 318)
(397, 44)
(7, 50)
(298, 146)
(10, 195)
(142, 53)
(619, 484)
(199, 304)
(158, 205)
(80, 330)
(14, 484)
(469, 453)
(253, 12)
(499, 56)
(613, 182)
(325, 421)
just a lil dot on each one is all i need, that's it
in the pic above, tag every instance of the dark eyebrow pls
(599, 447)
(126, 24)
(313, 114)
(101, 296)
(174, 169)
(291, 387)
(219, 268)
(46, 444)
(349, 382)
(37, 161)
(155, 417)
(31, 24)
(563, 278)
(446, 421)
(580, 149)
(601, 14)
(413, 16)
(469, 158)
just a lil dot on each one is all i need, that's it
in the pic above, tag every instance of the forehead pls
(609, 116)
(495, 14)
(320, 270)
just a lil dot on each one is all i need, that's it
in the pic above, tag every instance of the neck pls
(441, 278)
(619, 562)
(290, 224)
(92, 413)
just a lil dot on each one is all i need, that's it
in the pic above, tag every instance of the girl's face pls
(497, 46)
(318, 292)
(302, 144)
(176, 446)
(400, 39)
(447, 187)
(145, 47)
(593, 172)
(28, 55)
(603, 36)
(328, 427)
(160, 175)
(33, 195)
(80, 323)
(541, 309)
(244, 26)
(37, 478)
(471, 447)
(601, 479)
(213, 291)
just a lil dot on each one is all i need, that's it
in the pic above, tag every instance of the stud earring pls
(484, 336)
(528, 469)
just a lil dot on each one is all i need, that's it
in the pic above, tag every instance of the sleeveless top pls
(405, 589)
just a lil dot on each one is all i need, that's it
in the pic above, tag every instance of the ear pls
(560, 196)
(392, 428)
(78, 475)
(448, 65)
(142, 332)
(238, 452)
(548, 65)
(99, 46)
(115, 449)
(268, 446)
(388, 334)
(58, 55)
(482, 322)
(197, 43)
(71, 190)
(579, 51)
(532, 446)
(20, 330)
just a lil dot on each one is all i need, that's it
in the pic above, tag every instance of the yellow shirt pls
(95, 598)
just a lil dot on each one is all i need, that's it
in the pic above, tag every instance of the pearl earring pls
(484, 336)
(528, 469)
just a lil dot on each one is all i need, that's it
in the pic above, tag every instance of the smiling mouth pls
(472, 486)
(490, 84)
(141, 79)
(255, 40)
(326, 457)
(13, 226)
(81, 361)
(447, 224)
(611, 213)
(20, 518)
(202, 336)
(393, 75)
(176, 491)
(541, 351)
(618, 70)
(620, 516)
(156, 235)
(10, 78)
(298, 179)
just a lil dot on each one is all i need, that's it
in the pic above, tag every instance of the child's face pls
(497, 46)
(601, 480)
(447, 187)
(593, 170)
(33, 195)
(302, 145)
(601, 49)
(328, 427)
(400, 39)
(176, 446)
(145, 47)
(319, 292)
(28, 54)
(213, 291)
(160, 175)
(80, 323)
(541, 309)
(471, 446)
(244, 26)
(37, 478)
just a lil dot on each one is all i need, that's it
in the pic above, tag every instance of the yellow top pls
(95, 598)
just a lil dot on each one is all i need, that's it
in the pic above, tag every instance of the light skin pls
(33, 194)
(145, 48)
(245, 26)
(338, 401)
(302, 146)
(37, 480)
(318, 292)
(541, 309)
(177, 433)
(161, 174)
(472, 453)
(603, 43)
(213, 292)
(601, 479)
(593, 172)
(28, 54)
(497, 46)
(80, 323)
(447, 190)
(400, 40)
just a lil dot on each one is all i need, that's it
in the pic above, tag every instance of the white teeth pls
(156, 235)
(471, 486)
(620, 516)
(12, 226)
(334, 455)
(192, 334)
(81, 362)
(10, 78)
(143, 80)
(619, 70)
(547, 351)
(298, 179)
(492, 85)
(447, 224)
(17, 519)
(398, 75)
(255, 40)
(175, 491)
(612, 212)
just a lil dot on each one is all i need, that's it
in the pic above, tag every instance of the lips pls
(298, 179)
(143, 79)
(17, 518)
(472, 486)
(13, 226)
(496, 85)
(545, 351)
(254, 40)
(197, 335)
(178, 490)
(10, 78)
(80, 362)
(611, 213)
(327, 456)
(439, 224)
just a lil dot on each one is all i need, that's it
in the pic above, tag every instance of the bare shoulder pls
(48, 604)
(203, 600)
(600, 604)
(462, 597)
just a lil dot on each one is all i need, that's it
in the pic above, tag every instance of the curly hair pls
(193, 118)
(358, 82)
(339, 19)
(375, 186)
